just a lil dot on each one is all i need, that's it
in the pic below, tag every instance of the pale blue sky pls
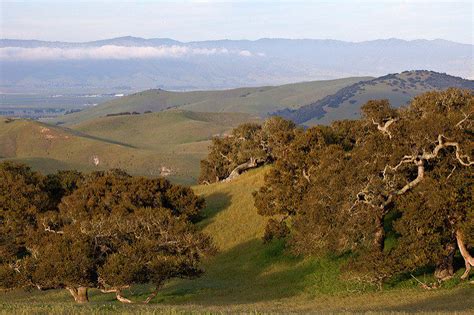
(200, 20)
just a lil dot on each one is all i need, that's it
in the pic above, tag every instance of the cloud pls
(245, 53)
(112, 52)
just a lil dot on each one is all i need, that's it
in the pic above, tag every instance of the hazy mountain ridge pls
(132, 64)
(398, 88)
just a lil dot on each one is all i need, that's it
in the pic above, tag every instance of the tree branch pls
(307, 176)
(252, 163)
(384, 127)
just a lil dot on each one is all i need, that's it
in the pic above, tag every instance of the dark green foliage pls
(106, 230)
(115, 191)
(249, 142)
(22, 198)
(61, 184)
(275, 230)
(337, 186)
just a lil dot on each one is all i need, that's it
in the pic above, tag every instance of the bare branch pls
(384, 127)
(452, 171)
(252, 163)
(463, 159)
(307, 176)
(466, 117)
(416, 181)
(468, 259)
(48, 229)
(226, 157)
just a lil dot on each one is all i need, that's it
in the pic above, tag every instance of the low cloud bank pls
(114, 52)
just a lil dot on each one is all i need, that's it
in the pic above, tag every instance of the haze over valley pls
(130, 64)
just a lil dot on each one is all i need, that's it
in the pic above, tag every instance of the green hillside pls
(398, 88)
(249, 276)
(256, 100)
(162, 130)
(171, 143)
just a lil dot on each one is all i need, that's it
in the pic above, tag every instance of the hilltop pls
(257, 101)
(169, 144)
(398, 88)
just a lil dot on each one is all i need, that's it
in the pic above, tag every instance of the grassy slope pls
(140, 144)
(162, 130)
(248, 276)
(259, 100)
(382, 88)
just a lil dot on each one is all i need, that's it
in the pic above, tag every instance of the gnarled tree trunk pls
(445, 268)
(379, 235)
(80, 294)
(118, 294)
(121, 298)
(151, 296)
(468, 259)
(253, 163)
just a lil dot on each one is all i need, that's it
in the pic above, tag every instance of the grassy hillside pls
(162, 130)
(249, 276)
(258, 100)
(397, 88)
(170, 143)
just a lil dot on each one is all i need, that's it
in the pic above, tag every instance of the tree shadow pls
(215, 203)
(248, 273)
(459, 300)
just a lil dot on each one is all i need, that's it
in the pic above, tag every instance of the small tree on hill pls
(249, 146)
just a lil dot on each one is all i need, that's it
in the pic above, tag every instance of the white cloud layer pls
(112, 52)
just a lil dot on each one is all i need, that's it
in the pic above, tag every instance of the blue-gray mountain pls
(398, 88)
(131, 64)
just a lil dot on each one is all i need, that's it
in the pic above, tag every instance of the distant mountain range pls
(129, 64)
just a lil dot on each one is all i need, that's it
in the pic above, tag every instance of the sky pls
(79, 21)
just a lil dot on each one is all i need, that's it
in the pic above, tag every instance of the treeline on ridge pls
(105, 230)
(393, 189)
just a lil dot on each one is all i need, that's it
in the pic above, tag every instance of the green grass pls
(255, 100)
(251, 277)
(139, 144)
(162, 130)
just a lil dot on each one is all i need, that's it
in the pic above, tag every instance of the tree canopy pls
(105, 230)
(394, 188)
(248, 146)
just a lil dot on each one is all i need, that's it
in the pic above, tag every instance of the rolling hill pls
(248, 276)
(171, 143)
(397, 88)
(164, 131)
(308, 103)
(259, 101)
